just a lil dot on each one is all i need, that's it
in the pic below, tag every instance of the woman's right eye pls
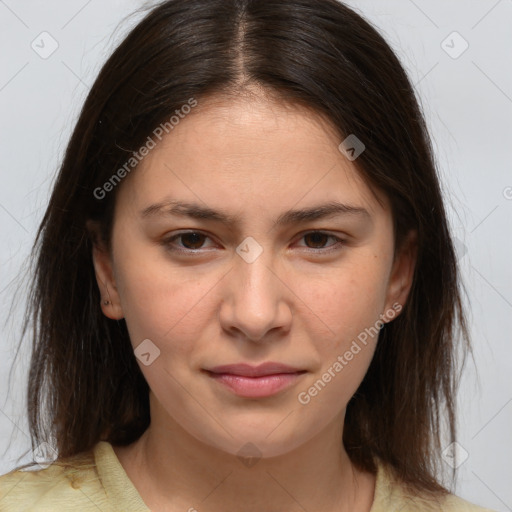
(191, 241)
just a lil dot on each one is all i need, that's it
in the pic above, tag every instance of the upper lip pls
(247, 370)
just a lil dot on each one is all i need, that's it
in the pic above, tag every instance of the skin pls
(298, 303)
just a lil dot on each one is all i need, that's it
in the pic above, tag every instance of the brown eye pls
(317, 238)
(192, 240)
(187, 241)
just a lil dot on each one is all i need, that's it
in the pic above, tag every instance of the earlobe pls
(402, 273)
(103, 268)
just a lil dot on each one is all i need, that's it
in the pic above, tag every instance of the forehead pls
(250, 152)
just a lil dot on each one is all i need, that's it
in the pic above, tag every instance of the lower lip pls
(256, 387)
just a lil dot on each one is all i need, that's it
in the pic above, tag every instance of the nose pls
(255, 303)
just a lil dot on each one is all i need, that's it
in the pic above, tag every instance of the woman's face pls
(250, 283)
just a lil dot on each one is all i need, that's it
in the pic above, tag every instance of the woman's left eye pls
(320, 238)
(190, 238)
(192, 241)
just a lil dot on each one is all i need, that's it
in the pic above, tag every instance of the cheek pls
(346, 301)
(160, 302)
(348, 305)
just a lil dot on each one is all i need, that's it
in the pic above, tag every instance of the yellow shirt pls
(105, 486)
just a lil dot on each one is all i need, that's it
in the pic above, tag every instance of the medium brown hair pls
(84, 383)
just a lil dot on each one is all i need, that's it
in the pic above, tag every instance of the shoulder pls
(392, 495)
(457, 504)
(60, 486)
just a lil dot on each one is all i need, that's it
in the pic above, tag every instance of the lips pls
(260, 381)
(246, 370)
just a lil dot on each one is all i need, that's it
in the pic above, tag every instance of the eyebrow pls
(197, 211)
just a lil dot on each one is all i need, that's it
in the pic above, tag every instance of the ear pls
(402, 273)
(103, 267)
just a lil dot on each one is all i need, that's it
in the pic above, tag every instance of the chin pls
(253, 441)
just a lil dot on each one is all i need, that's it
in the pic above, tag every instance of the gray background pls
(467, 98)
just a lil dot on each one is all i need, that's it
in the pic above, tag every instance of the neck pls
(172, 470)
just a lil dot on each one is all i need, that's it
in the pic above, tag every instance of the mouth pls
(255, 381)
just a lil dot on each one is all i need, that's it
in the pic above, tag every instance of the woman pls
(246, 293)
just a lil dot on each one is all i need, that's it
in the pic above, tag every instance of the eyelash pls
(167, 242)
